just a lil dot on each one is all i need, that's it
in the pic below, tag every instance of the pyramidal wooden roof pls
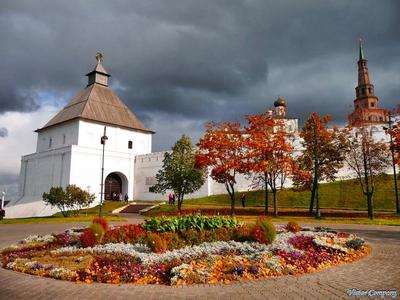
(98, 103)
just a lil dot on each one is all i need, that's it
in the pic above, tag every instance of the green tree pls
(72, 198)
(179, 172)
(57, 197)
(78, 198)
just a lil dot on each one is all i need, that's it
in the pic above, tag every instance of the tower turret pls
(366, 105)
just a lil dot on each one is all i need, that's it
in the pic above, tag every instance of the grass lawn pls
(57, 219)
(339, 194)
(85, 215)
(250, 214)
(392, 221)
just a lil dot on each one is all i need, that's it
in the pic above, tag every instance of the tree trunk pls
(370, 205)
(318, 211)
(275, 203)
(266, 196)
(313, 189)
(231, 191)
(180, 201)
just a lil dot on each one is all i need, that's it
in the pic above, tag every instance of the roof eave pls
(98, 122)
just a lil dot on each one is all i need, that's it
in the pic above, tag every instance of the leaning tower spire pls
(366, 105)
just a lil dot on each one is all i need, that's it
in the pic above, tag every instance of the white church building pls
(69, 151)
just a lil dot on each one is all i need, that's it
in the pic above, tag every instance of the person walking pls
(170, 199)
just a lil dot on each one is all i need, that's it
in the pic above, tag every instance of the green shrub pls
(355, 244)
(267, 228)
(193, 222)
(98, 231)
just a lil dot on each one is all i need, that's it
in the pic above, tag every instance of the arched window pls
(130, 144)
(50, 142)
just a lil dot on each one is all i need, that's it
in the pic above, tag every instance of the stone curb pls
(144, 210)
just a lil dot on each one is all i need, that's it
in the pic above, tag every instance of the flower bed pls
(182, 250)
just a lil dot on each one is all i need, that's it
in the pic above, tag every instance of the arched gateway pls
(115, 184)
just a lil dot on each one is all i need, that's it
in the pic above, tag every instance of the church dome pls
(280, 102)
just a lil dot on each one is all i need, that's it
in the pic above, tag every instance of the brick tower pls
(366, 105)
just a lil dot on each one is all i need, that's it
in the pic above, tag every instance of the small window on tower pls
(50, 142)
(64, 139)
(130, 145)
(372, 104)
(369, 90)
(363, 91)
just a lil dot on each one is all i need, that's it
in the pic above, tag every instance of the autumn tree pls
(323, 155)
(367, 158)
(395, 151)
(179, 172)
(268, 155)
(221, 149)
(395, 132)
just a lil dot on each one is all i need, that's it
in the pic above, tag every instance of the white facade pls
(71, 153)
(147, 166)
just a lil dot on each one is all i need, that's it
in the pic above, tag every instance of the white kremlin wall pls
(147, 166)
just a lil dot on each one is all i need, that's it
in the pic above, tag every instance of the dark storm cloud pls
(195, 61)
(3, 132)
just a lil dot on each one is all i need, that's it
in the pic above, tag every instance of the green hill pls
(339, 194)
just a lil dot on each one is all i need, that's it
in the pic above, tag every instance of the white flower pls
(62, 273)
(273, 263)
(11, 265)
(39, 239)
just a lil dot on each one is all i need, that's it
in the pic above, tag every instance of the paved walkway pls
(380, 270)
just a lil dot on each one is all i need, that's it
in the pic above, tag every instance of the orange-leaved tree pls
(221, 149)
(395, 132)
(367, 158)
(323, 154)
(268, 154)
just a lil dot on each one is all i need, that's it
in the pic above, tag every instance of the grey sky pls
(178, 64)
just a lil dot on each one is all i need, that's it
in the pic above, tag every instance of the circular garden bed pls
(182, 250)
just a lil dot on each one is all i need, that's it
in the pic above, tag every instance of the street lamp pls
(103, 140)
(391, 126)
